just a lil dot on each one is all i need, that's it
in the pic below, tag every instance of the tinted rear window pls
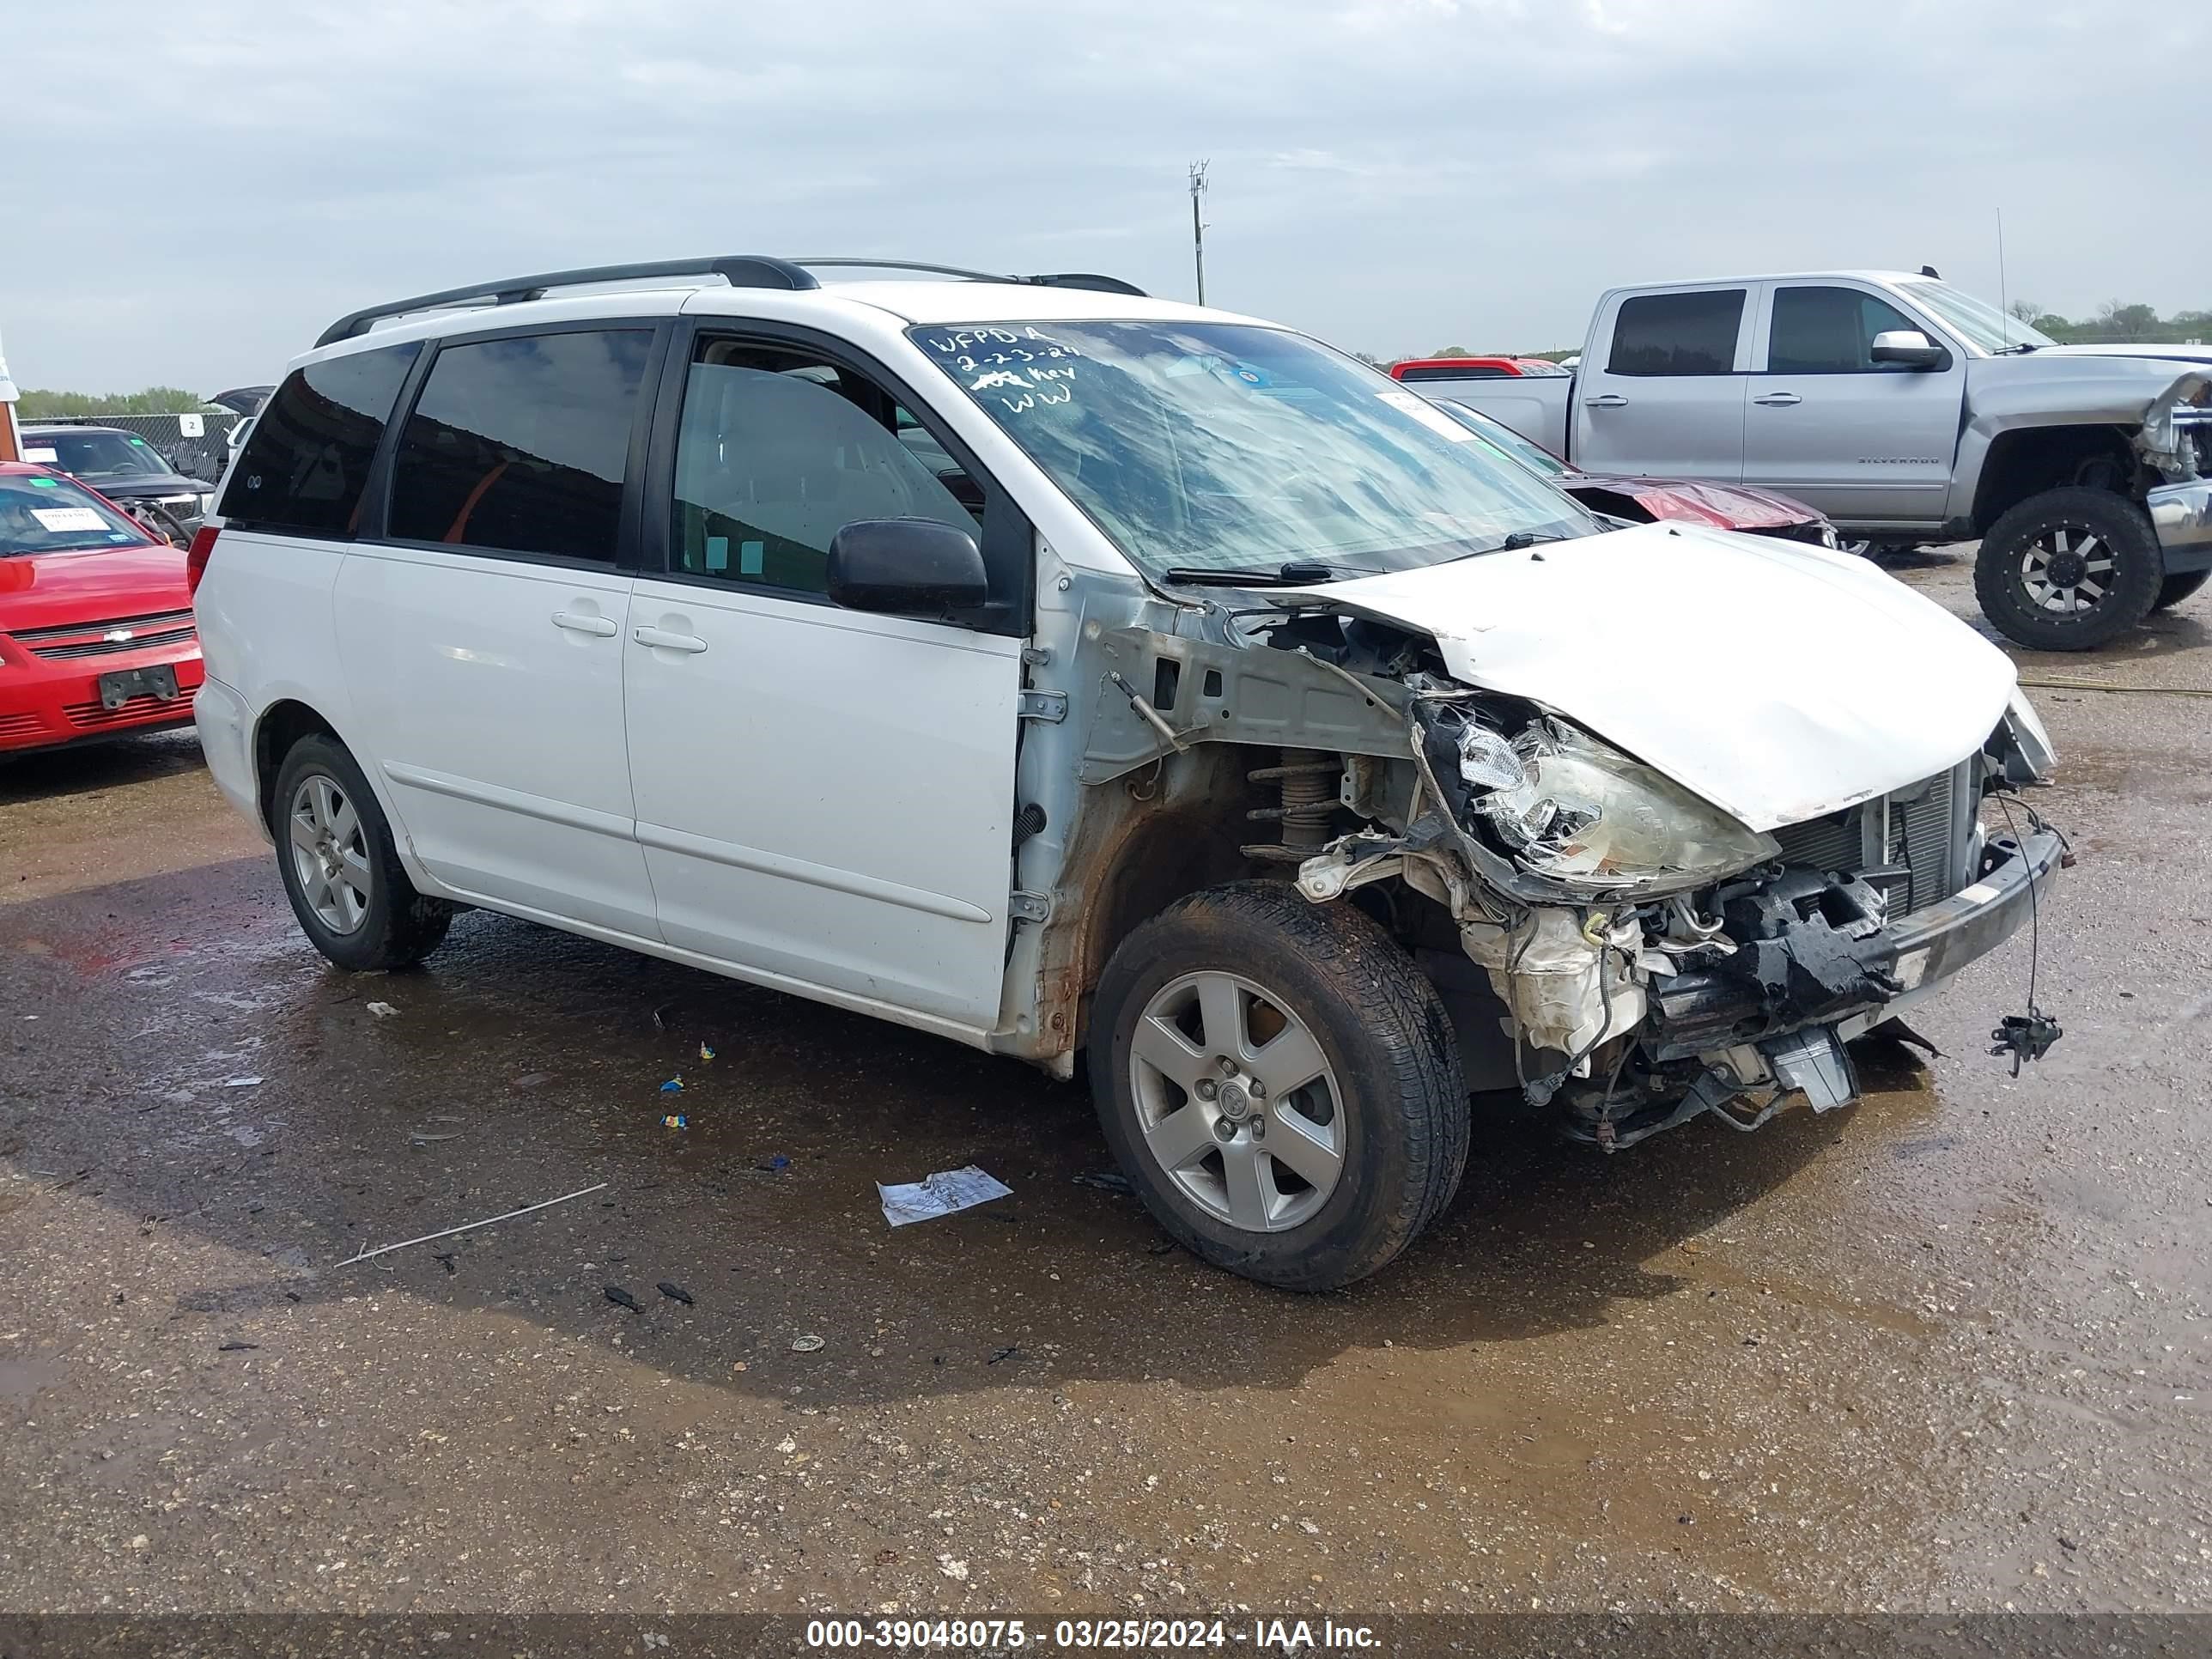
(1678, 333)
(520, 444)
(305, 465)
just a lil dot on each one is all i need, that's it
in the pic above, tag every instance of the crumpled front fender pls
(2161, 442)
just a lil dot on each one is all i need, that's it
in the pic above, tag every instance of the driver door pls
(824, 797)
(1866, 443)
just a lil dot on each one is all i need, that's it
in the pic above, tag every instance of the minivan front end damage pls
(1657, 959)
(1646, 883)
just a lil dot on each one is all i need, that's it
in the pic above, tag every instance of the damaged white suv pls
(1059, 669)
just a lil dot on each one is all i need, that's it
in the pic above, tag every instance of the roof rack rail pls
(738, 269)
(1083, 279)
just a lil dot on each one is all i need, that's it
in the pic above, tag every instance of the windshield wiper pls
(1294, 573)
(2019, 351)
(1512, 544)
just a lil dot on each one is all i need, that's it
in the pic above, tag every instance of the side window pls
(1829, 330)
(519, 445)
(1677, 333)
(778, 451)
(304, 465)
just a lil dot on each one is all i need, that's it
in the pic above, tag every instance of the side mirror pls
(906, 568)
(1909, 347)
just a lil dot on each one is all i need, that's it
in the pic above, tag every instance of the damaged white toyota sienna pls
(1066, 671)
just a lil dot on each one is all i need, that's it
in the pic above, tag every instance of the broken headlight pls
(1583, 814)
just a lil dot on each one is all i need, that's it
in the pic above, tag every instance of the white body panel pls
(1778, 681)
(496, 731)
(827, 796)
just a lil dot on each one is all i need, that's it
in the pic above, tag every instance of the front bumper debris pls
(1817, 973)
(2181, 513)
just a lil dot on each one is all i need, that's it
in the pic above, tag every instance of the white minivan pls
(1063, 671)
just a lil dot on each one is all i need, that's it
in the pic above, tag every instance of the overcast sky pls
(191, 191)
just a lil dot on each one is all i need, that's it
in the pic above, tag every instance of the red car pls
(1646, 500)
(1417, 369)
(96, 634)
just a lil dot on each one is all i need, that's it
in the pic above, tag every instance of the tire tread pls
(2137, 579)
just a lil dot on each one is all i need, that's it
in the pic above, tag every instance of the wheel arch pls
(282, 723)
(2022, 462)
(1140, 845)
(280, 726)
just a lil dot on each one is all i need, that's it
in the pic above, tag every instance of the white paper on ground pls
(942, 1194)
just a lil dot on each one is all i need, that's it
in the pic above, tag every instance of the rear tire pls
(2070, 570)
(2174, 589)
(335, 853)
(1339, 1129)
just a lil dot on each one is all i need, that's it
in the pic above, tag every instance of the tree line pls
(35, 404)
(2116, 323)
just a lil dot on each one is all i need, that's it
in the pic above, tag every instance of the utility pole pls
(1198, 226)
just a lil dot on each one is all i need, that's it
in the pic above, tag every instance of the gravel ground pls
(1944, 1351)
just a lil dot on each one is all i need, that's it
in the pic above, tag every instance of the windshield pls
(1504, 440)
(52, 515)
(1982, 323)
(96, 457)
(1232, 446)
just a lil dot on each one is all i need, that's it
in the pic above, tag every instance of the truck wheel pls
(334, 850)
(2174, 589)
(1280, 1083)
(2070, 570)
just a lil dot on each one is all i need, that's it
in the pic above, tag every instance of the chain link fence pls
(196, 454)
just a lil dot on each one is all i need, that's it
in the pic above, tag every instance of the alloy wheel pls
(330, 853)
(1237, 1101)
(2066, 571)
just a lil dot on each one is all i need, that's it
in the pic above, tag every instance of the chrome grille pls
(93, 639)
(1923, 828)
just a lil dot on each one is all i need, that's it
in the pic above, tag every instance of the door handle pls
(1605, 400)
(1779, 399)
(576, 622)
(661, 640)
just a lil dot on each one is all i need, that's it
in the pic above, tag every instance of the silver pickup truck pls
(1908, 412)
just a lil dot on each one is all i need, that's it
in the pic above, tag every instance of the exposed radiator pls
(1924, 827)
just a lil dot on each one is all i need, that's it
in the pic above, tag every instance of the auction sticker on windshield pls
(69, 518)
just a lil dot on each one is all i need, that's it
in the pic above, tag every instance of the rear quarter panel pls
(267, 632)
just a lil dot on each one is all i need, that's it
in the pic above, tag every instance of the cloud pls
(1386, 173)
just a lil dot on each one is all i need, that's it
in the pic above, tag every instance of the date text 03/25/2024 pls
(1285, 1636)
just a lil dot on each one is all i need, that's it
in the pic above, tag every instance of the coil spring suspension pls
(1307, 783)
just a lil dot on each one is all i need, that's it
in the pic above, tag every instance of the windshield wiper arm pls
(1294, 573)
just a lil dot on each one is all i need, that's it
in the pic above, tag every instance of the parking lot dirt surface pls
(1944, 1350)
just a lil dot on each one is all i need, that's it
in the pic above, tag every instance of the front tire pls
(335, 852)
(1280, 1083)
(2070, 570)
(2174, 589)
